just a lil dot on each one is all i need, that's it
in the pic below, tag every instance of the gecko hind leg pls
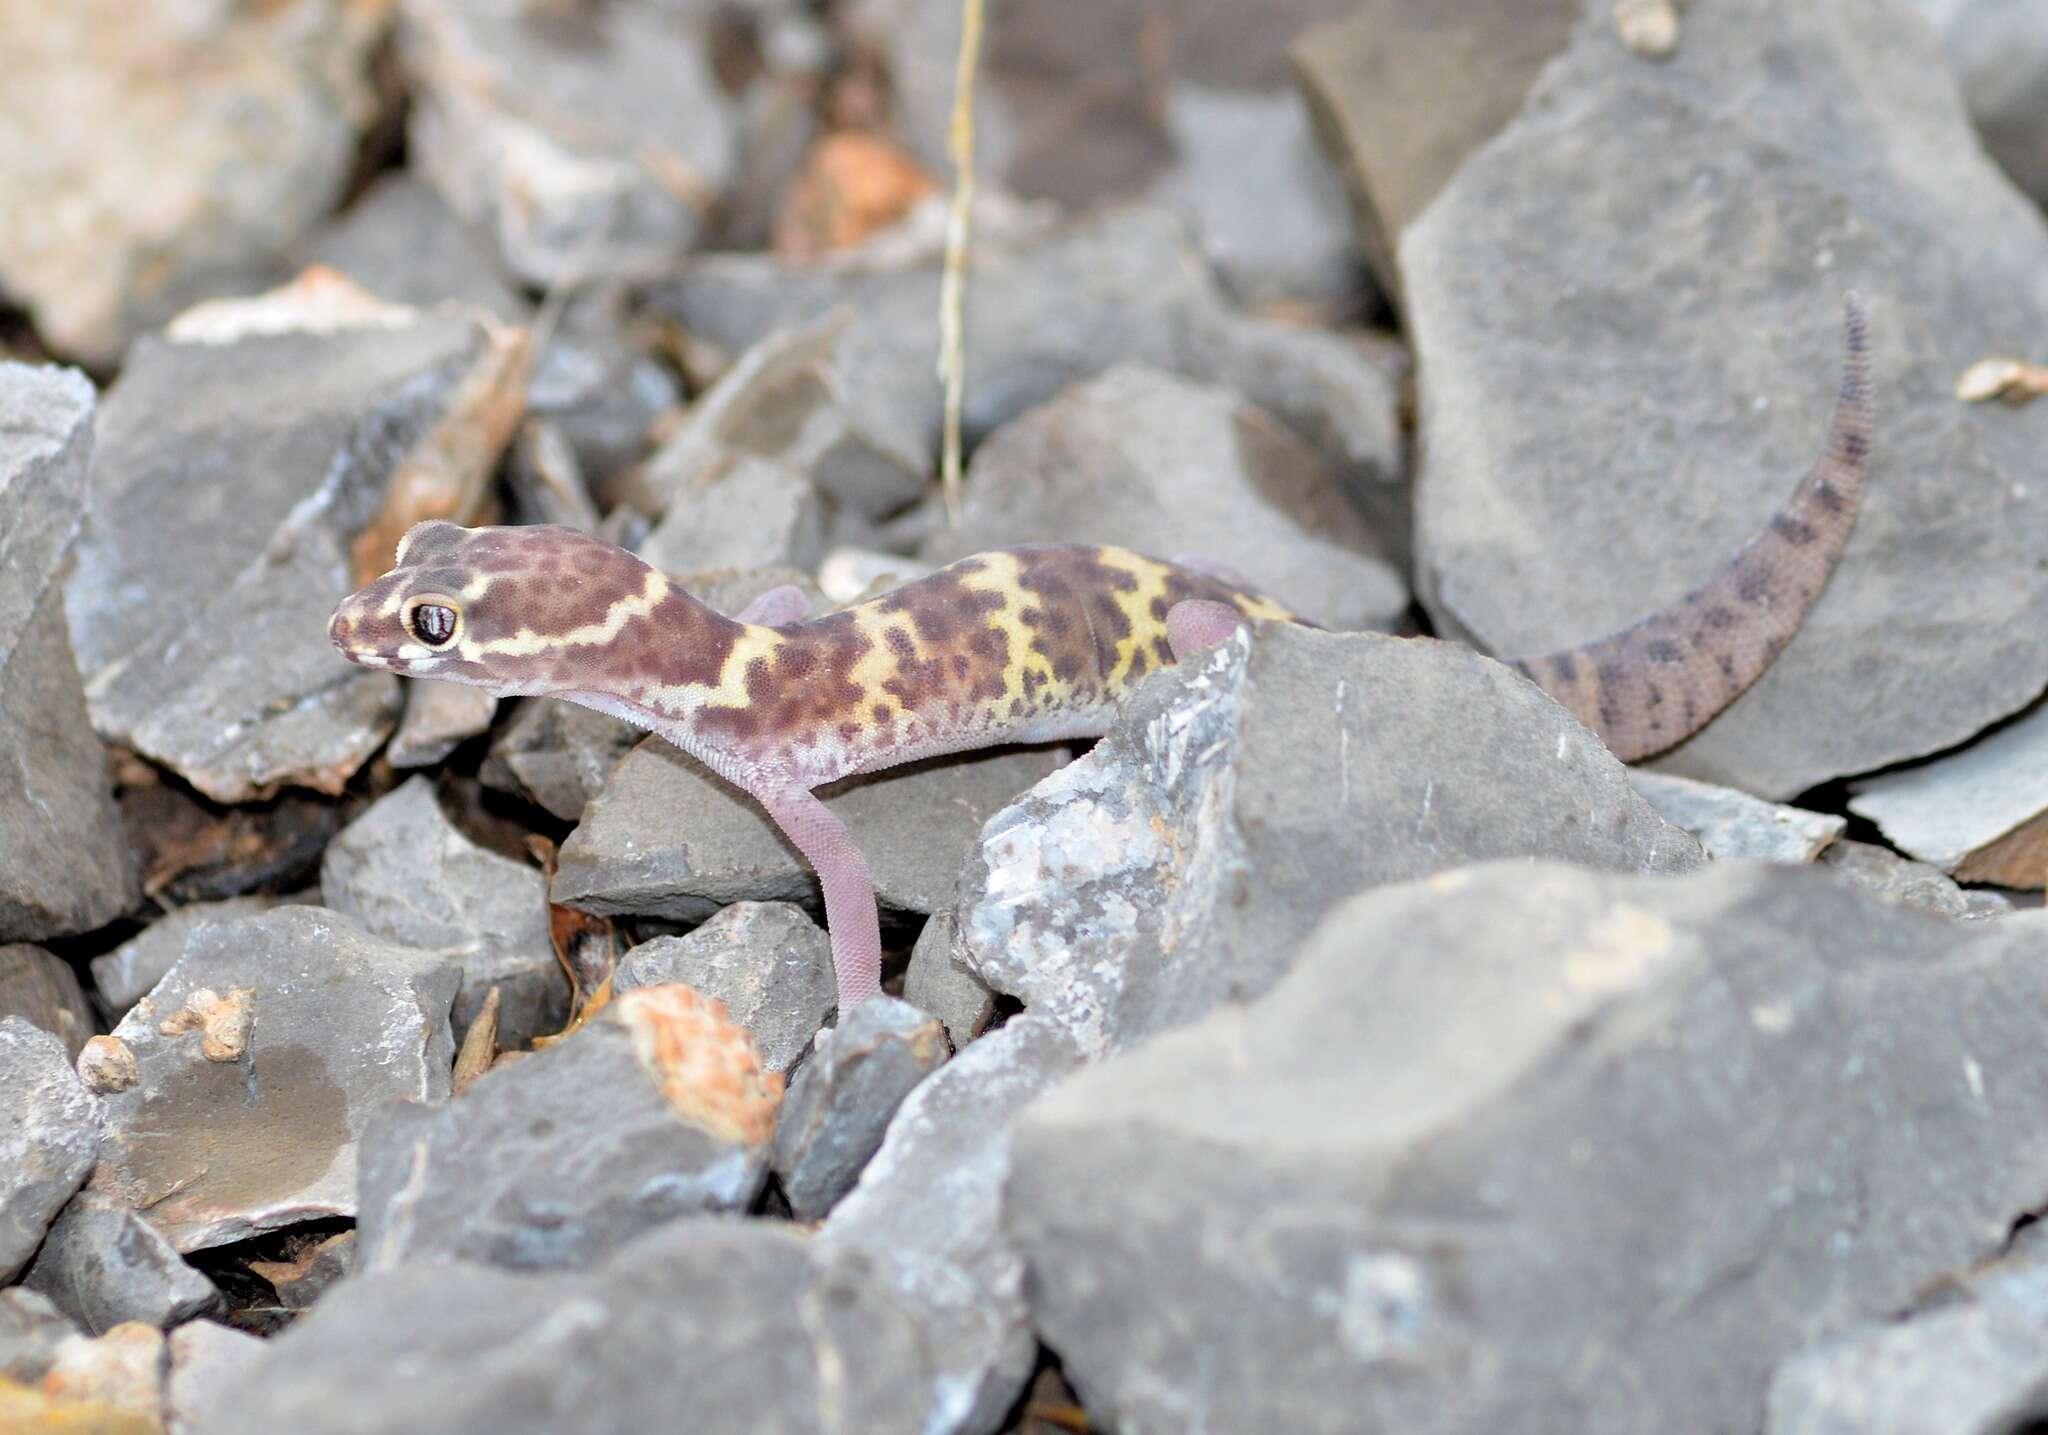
(779, 605)
(851, 918)
(1195, 625)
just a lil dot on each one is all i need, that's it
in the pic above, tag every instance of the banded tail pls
(1662, 679)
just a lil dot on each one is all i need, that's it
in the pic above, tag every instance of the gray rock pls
(557, 755)
(1174, 468)
(742, 512)
(561, 1157)
(439, 717)
(255, 1085)
(65, 864)
(1977, 812)
(169, 192)
(125, 975)
(844, 1097)
(764, 1341)
(1998, 50)
(402, 242)
(596, 384)
(926, 1215)
(103, 1264)
(302, 1281)
(546, 479)
(30, 1330)
(1697, 334)
(590, 143)
(49, 1133)
(1179, 864)
(409, 875)
(236, 461)
(124, 1369)
(770, 965)
(1975, 1363)
(938, 982)
(43, 991)
(1053, 307)
(1912, 884)
(1506, 1116)
(209, 1364)
(1735, 827)
(667, 839)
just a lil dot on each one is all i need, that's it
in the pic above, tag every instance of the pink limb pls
(851, 919)
(777, 606)
(1195, 625)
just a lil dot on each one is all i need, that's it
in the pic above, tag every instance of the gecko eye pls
(432, 623)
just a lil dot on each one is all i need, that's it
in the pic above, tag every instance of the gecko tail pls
(1662, 679)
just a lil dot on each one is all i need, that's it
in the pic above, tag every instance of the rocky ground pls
(1345, 1042)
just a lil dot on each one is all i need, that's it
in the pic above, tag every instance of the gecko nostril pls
(339, 627)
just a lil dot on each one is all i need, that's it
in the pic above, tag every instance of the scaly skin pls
(1032, 644)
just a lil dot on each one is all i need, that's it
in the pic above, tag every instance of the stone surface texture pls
(1977, 812)
(103, 1264)
(43, 991)
(124, 975)
(1998, 50)
(49, 1135)
(1735, 827)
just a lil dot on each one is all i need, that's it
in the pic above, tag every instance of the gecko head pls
(514, 610)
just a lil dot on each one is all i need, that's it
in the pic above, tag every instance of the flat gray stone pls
(1173, 468)
(560, 1158)
(546, 479)
(30, 1330)
(1975, 813)
(667, 839)
(1180, 863)
(439, 717)
(125, 975)
(1701, 390)
(739, 511)
(409, 875)
(209, 1363)
(49, 1133)
(103, 1264)
(46, 437)
(1505, 1116)
(402, 242)
(768, 962)
(764, 1341)
(43, 991)
(843, 1098)
(598, 385)
(938, 982)
(1998, 50)
(254, 1084)
(1735, 827)
(1913, 884)
(926, 1215)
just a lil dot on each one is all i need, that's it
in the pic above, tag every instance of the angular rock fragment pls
(237, 459)
(103, 1264)
(1980, 814)
(598, 386)
(121, 1370)
(43, 991)
(127, 192)
(1700, 392)
(107, 1064)
(1913, 884)
(1503, 1116)
(739, 511)
(667, 839)
(926, 1217)
(126, 974)
(1175, 469)
(1735, 827)
(656, 1109)
(767, 962)
(764, 1340)
(1998, 50)
(939, 983)
(844, 1097)
(546, 480)
(409, 875)
(557, 755)
(254, 1086)
(402, 242)
(209, 1363)
(1180, 863)
(49, 1133)
(439, 717)
(30, 1329)
(301, 1281)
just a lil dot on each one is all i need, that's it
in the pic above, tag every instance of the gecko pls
(1033, 644)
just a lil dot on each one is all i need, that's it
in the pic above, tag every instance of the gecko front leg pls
(851, 918)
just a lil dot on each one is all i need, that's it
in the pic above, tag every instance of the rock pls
(1501, 1117)
(25, 1409)
(1401, 93)
(402, 242)
(1173, 468)
(30, 1329)
(409, 875)
(65, 866)
(1976, 813)
(237, 459)
(546, 479)
(1998, 50)
(1052, 306)
(741, 512)
(1912, 884)
(43, 991)
(851, 575)
(1974, 1363)
(124, 975)
(107, 1064)
(844, 1097)
(655, 1109)
(589, 143)
(103, 1264)
(123, 1369)
(851, 185)
(209, 1364)
(767, 962)
(557, 755)
(49, 1133)
(597, 385)
(765, 1341)
(1733, 826)
(939, 983)
(667, 839)
(1192, 106)
(926, 1216)
(254, 1088)
(303, 1280)
(1702, 389)
(142, 192)
(1180, 863)
(439, 717)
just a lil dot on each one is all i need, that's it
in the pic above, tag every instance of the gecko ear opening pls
(432, 619)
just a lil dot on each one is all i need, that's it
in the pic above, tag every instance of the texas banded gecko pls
(1020, 645)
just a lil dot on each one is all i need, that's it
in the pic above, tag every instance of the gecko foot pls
(1196, 625)
(777, 606)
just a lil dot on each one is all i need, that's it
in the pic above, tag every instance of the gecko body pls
(1031, 644)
